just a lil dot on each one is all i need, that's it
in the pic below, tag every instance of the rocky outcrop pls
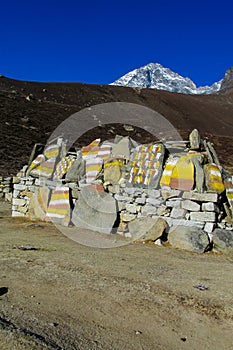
(227, 82)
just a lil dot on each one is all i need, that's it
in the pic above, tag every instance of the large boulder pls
(147, 229)
(192, 239)
(95, 209)
(223, 241)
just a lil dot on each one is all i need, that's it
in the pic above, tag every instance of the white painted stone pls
(190, 205)
(203, 216)
(201, 197)
(178, 213)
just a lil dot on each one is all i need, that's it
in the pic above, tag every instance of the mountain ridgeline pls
(155, 76)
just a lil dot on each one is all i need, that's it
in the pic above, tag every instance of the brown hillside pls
(24, 122)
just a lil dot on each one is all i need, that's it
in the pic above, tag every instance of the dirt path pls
(69, 296)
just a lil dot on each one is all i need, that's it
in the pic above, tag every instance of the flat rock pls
(192, 239)
(147, 229)
(201, 197)
(203, 216)
(95, 210)
(190, 205)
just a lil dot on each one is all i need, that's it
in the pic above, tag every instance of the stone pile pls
(154, 192)
(6, 188)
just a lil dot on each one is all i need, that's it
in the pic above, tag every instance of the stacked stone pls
(178, 208)
(23, 189)
(6, 188)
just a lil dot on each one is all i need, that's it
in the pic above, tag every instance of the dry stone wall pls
(122, 187)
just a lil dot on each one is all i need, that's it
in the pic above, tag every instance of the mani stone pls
(95, 210)
(201, 197)
(147, 229)
(177, 213)
(194, 140)
(190, 205)
(203, 216)
(192, 239)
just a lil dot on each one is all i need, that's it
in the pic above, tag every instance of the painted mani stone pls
(229, 193)
(146, 165)
(178, 173)
(63, 166)
(59, 206)
(182, 177)
(213, 178)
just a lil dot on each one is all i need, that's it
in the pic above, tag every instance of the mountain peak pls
(155, 76)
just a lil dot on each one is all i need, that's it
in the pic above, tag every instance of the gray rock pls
(209, 206)
(209, 227)
(140, 200)
(131, 208)
(154, 201)
(190, 205)
(201, 197)
(178, 213)
(199, 172)
(154, 193)
(95, 210)
(19, 201)
(19, 187)
(173, 204)
(127, 217)
(149, 210)
(223, 241)
(122, 148)
(122, 198)
(147, 229)
(192, 239)
(163, 210)
(203, 216)
(194, 140)
(187, 223)
(169, 193)
(76, 171)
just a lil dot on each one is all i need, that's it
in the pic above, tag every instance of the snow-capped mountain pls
(155, 76)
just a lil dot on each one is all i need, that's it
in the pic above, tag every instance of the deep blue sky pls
(99, 41)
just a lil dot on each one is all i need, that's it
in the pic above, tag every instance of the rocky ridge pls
(155, 76)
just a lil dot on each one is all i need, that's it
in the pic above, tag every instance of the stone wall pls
(6, 188)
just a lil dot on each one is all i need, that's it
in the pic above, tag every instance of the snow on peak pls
(155, 76)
